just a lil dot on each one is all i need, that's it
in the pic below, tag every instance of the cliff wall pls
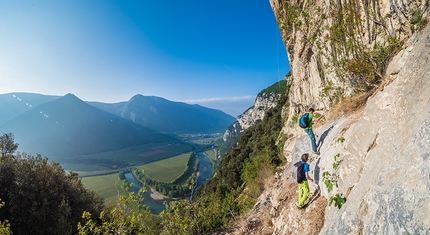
(376, 158)
(339, 48)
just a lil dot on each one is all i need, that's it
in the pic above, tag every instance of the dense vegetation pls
(39, 197)
(277, 88)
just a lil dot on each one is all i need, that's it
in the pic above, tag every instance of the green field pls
(168, 169)
(125, 157)
(144, 153)
(161, 162)
(212, 154)
(82, 168)
(104, 185)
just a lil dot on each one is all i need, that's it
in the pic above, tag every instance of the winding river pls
(204, 172)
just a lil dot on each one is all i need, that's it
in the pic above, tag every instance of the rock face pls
(382, 153)
(333, 46)
(265, 100)
(251, 116)
(384, 167)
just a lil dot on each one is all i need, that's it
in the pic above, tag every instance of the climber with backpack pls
(301, 175)
(305, 122)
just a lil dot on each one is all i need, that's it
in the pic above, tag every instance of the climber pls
(309, 131)
(304, 186)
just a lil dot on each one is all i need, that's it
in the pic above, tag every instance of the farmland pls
(132, 156)
(162, 163)
(175, 166)
(83, 168)
(212, 154)
(104, 185)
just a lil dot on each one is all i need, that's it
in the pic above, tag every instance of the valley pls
(107, 144)
(162, 162)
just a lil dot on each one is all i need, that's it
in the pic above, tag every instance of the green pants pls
(303, 193)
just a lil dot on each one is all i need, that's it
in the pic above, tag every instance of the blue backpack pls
(304, 121)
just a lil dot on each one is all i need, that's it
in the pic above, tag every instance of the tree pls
(41, 198)
(129, 216)
(7, 144)
(4, 226)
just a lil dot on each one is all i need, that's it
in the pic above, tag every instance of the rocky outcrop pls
(384, 169)
(251, 116)
(337, 48)
(265, 100)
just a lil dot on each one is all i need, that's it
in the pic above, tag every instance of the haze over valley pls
(66, 126)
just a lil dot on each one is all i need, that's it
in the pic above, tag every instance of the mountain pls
(68, 126)
(13, 104)
(152, 112)
(169, 117)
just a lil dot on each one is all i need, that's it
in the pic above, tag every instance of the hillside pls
(13, 104)
(168, 116)
(68, 126)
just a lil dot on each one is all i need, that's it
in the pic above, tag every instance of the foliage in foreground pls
(40, 198)
(129, 216)
(236, 184)
(4, 225)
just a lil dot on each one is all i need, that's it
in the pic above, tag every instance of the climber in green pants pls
(304, 186)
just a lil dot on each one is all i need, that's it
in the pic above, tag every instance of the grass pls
(82, 168)
(134, 155)
(168, 169)
(350, 105)
(211, 154)
(103, 185)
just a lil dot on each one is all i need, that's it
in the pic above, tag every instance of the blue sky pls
(216, 53)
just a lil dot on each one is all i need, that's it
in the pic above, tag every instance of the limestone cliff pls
(338, 48)
(265, 100)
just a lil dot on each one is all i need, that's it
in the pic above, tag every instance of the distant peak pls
(71, 97)
(137, 96)
(143, 97)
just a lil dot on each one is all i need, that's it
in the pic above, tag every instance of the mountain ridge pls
(203, 119)
(169, 116)
(69, 126)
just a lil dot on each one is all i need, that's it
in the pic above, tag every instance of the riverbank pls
(154, 194)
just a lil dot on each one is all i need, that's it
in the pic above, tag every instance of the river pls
(204, 172)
